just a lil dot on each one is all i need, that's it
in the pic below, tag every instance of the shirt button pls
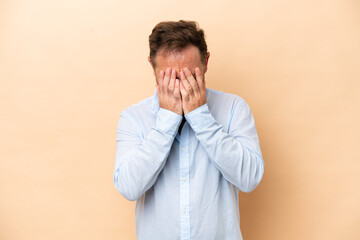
(182, 148)
(184, 211)
(184, 179)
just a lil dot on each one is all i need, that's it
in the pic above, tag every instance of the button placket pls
(184, 164)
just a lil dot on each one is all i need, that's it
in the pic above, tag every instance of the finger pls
(199, 77)
(161, 78)
(191, 79)
(177, 88)
(167, 77)
(183, 91)
(172, 81)
(185, 83)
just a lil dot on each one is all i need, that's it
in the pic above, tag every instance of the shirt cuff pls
(199, 117)
(167, 121)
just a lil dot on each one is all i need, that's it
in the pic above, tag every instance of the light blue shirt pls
(186, 185)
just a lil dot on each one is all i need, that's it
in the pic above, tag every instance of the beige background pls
(68, 68)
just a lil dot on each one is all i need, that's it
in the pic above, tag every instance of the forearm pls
(137, 170)
(238, 163)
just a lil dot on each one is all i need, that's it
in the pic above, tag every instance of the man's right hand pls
(168, 89)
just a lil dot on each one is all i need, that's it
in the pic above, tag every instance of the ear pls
(207, 60)
(149, 60)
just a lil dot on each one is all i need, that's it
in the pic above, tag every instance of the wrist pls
(167, 121)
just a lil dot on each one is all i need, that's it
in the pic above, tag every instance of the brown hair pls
(170, 36)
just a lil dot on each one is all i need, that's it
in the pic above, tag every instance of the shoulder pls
(224, 96)
(225, 100)
(139, 108)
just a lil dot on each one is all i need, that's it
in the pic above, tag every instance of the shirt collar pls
(155, 102)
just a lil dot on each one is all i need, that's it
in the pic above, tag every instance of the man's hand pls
(169, 91)
(193, 91)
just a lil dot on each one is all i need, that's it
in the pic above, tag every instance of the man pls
(185, 152)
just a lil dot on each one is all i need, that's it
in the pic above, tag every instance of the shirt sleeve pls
(236, 154)
(139, 162)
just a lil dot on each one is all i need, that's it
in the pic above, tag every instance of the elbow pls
(130, 197)
(124, 188)
(249, 188)
(250, 182)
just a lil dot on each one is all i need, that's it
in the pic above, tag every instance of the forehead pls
(187, 57)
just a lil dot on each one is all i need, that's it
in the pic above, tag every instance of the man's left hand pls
(193, 91)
